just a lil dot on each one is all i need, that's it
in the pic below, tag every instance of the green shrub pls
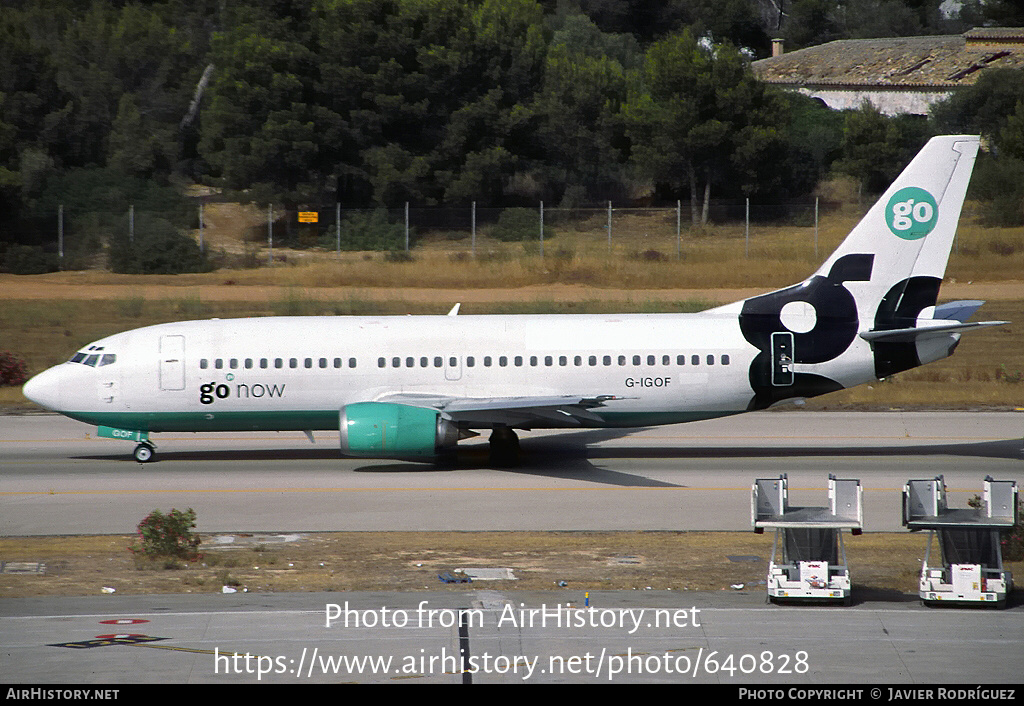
(30, 260)
(367, 231)
(158, 248)
(12, 369)
(168, 536)
(515, 224)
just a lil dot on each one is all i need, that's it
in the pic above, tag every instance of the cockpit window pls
(108, 359)
(77, 358)
(91, 360)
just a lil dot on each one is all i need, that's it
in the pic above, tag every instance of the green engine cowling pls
(385, 430)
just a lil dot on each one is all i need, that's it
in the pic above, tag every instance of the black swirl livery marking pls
(900, 308)
(835, 328)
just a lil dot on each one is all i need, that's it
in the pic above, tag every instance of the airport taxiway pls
(56, 477)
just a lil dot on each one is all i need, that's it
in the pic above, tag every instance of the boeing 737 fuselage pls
(412, 386)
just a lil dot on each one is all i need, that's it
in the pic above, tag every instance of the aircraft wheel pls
(504, 447)
(143, 453)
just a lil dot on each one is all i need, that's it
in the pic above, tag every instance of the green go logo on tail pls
(911, 213)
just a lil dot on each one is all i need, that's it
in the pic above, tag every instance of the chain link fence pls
(91, 239)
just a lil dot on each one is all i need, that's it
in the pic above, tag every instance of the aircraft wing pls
(522, 412)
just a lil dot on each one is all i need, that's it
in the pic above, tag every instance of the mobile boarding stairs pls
(971, 569)
(812, 565)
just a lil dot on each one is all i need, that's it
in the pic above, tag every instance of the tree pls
(876, 147)
(699, 116)
(579, 105)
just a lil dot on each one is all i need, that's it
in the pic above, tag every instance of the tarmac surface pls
(482, 636)
(57, 478)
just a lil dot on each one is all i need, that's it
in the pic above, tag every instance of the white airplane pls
(413, 386)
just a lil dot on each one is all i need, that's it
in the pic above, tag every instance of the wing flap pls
(567, 410)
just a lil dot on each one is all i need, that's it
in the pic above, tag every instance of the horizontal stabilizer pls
(937, 328)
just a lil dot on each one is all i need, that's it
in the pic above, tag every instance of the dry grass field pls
(883, 565)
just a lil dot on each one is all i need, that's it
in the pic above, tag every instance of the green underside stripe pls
(320, 420)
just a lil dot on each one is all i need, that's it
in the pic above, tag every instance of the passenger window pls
(263, 362)
(470, 361)
(438, 361)
(278, 363)
(725, 359)
(533, 360)
(607, 360)
(592, 360)
(650, 360)
(337, 363)
(351, 362)
(577, 360)
(293, 362)
(396, 362)
(695, 360)
(248, 363)
(503, 361)
(323, 362)
(423, 362)
(666, 360)
(381, 362)
(218, 364)
(548, 360)
(562, 360)
(203, 363)
(711, 360)
(519, 361)
(636, 360)
(108, 359)
(410, 362)
(680, 360)
(622, 360)
(487, 361)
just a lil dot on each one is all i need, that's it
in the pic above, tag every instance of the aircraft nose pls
(44, 389)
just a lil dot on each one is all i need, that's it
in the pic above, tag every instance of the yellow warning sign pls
(308, 217)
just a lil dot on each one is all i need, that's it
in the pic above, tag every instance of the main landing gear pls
(504, 447)
(144, 452)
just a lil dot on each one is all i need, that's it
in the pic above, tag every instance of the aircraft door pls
(782, 358)
(453, 367)
(172, 362)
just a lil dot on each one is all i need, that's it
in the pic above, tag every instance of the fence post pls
(815, 227)
(337, 225)
(270, 234)
(201, 245)
(407, 226)
(679, 229)
(131, 223)
(473, 230)
(746, 231)
(542, 229)
(60, 234)
(609, 226)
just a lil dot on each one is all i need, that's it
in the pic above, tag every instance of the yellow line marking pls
(187, 649)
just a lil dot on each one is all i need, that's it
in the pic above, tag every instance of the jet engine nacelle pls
(385, 430)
